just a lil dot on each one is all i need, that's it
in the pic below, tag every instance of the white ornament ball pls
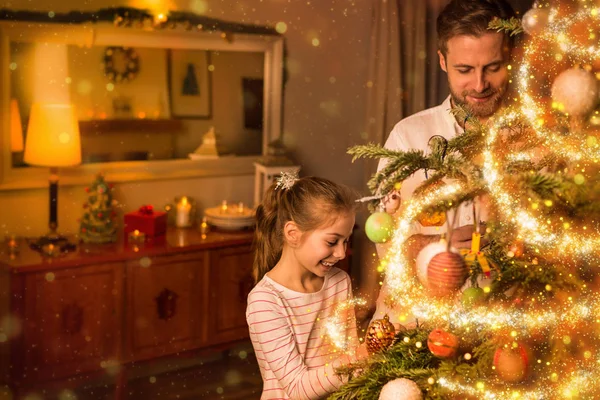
(401, 389)
(535, 20)
(425, 256)
(576, 91)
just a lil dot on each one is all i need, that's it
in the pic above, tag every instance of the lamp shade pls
(53, 136)
(16, 128)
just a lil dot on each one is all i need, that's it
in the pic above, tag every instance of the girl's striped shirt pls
(287, 329)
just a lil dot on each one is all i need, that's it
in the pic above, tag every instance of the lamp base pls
(52, 244)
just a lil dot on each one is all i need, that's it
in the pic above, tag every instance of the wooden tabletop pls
(175, 241)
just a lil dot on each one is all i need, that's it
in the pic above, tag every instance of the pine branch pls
(402, 360)
(372, 150)
(544, 185)
(398, 168)
(511, 26)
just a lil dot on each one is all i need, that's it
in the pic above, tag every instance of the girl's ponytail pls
(268, 238)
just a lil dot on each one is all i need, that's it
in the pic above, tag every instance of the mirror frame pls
(106, 34)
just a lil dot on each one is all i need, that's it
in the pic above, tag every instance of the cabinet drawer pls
(71, 320)
(231, 281)
(165, 303)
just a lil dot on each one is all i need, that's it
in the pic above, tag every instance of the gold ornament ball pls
(380, 334)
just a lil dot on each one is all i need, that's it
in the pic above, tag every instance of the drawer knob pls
(166, 304)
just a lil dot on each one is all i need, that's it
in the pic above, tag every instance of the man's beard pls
(479, 110)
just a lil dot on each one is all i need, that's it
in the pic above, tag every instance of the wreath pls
(121, 64)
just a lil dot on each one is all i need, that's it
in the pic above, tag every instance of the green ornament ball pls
(379, 227)
(472, 296)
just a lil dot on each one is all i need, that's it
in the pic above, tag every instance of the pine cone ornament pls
(380, 334)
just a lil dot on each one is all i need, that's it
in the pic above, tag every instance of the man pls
(475, 60)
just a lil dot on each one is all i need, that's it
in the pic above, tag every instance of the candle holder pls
(184, 211)
(136, 237)
(12, 244)
(51, 250)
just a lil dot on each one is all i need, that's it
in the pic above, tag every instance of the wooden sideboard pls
(112, 305)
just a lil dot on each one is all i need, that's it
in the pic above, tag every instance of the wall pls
(324, 105)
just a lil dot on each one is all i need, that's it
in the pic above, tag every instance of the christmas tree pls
(98, 224)
(518, 317)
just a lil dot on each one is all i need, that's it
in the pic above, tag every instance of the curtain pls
(404, 77)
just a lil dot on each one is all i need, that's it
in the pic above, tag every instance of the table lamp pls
(53, 141)
(16, 128)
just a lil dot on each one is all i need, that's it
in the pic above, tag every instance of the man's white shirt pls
(414, 133)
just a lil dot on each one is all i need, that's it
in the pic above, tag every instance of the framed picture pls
(189, 84)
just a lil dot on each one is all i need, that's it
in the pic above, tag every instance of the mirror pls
(145, 103)
(146, 98)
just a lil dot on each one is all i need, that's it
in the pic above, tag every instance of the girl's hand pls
(362, 352)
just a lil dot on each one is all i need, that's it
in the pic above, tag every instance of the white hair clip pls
(286, 180)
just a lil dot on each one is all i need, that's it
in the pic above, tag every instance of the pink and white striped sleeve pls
(270, 330)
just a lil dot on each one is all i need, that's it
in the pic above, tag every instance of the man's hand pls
(462, 237)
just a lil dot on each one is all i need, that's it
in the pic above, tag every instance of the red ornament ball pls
(442, 344)
(512, 363)
(446, 273)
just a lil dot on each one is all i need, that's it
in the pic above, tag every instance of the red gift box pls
(146, 220)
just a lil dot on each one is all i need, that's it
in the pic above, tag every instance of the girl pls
(303, 226)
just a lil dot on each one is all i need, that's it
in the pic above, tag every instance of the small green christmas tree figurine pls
(98, 222)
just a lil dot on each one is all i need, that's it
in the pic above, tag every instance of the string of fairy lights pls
(336, 326)
(580, 383)
(557, 29)
(549, 235)
(553, 236)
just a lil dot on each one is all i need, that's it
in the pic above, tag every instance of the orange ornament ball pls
(512, 364)
(442, 344)
(446, 273)
(433, 219)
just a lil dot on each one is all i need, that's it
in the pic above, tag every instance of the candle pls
(182, 219)
(224, 207)
(204, 228)
(241, 207)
